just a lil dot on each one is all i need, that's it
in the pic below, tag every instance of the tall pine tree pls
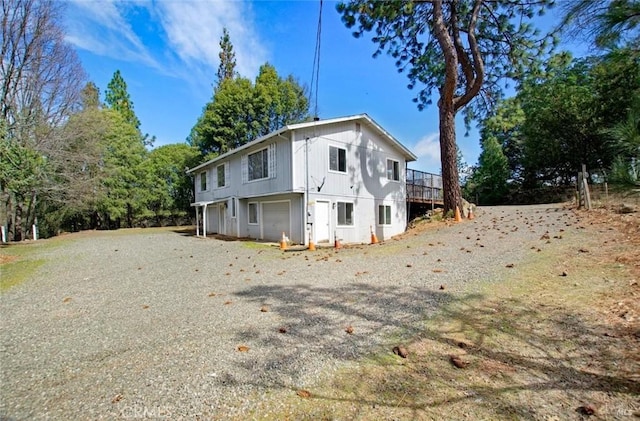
(460, 50)
(117, 98)
(227, 67)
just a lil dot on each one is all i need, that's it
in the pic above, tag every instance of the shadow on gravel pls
(185, 231)
(521, 359)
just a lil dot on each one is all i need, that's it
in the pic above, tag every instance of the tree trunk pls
(17, 227)
(11, 217)
(448, 152)
(129, 216)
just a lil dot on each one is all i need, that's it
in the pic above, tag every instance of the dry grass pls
(556, 340)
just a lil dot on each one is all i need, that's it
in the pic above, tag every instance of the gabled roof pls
(409, 156)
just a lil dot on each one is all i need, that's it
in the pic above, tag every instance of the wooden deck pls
(424, 188)
(424, 193)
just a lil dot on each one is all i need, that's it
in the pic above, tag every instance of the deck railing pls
(423, 187)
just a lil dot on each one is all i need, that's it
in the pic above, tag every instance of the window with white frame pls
(203, 181)
(337, 159)
(233, 207)
(253, 213)
(384, 215)
(345, 213)
(258, 165)
(393, 170)
(221, 172)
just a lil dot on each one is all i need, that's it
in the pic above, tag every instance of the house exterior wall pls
(340, 168)
(236, 186)
(364, 182)
(294, 228)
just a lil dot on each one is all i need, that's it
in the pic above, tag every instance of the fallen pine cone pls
(349, 330)
(117, 398)
(458, 362)
(510, 265)
(243, 348)
(400, 351)
(586, 410)
(282, 330)
(303, 393)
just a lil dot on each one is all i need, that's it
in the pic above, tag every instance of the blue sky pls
(167, 52)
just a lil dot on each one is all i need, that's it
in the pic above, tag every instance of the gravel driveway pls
(147, 324)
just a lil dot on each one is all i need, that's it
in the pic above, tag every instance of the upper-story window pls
(260, 164)
(393, 170)
(221, 172)
(337, 159)
(203, 181)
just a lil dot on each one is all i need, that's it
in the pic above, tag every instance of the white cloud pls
(189, 31)
(193, 31)
(428, 151)
(101, 28)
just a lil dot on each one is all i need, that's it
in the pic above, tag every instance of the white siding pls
(293, 228)
(365, 184)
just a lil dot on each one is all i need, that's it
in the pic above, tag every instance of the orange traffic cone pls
(374, 239)
(457, 218)
(283, 242)
(470, 217)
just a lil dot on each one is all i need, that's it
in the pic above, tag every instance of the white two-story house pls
(319, 180)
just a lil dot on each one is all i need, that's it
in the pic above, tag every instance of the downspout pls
(307, 228)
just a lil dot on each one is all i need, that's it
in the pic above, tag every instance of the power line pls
(315, 74)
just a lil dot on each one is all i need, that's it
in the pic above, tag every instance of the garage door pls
(275, 220)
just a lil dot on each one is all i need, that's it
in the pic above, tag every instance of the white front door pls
(321, 225)
(222, 218)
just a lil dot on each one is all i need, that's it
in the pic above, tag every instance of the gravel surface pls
(147, 324)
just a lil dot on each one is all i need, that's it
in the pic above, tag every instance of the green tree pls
(90, 96)
(278, 101)
(80, 165)
(458, 48)
(240, 111)
(228, 120)
(626, 137)
(227, 66)
(41, 78)
(170, 188)
(490, 180)
(124, 179)
(608, 24)
(117, 98)
(505, 125)
(568, 114)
